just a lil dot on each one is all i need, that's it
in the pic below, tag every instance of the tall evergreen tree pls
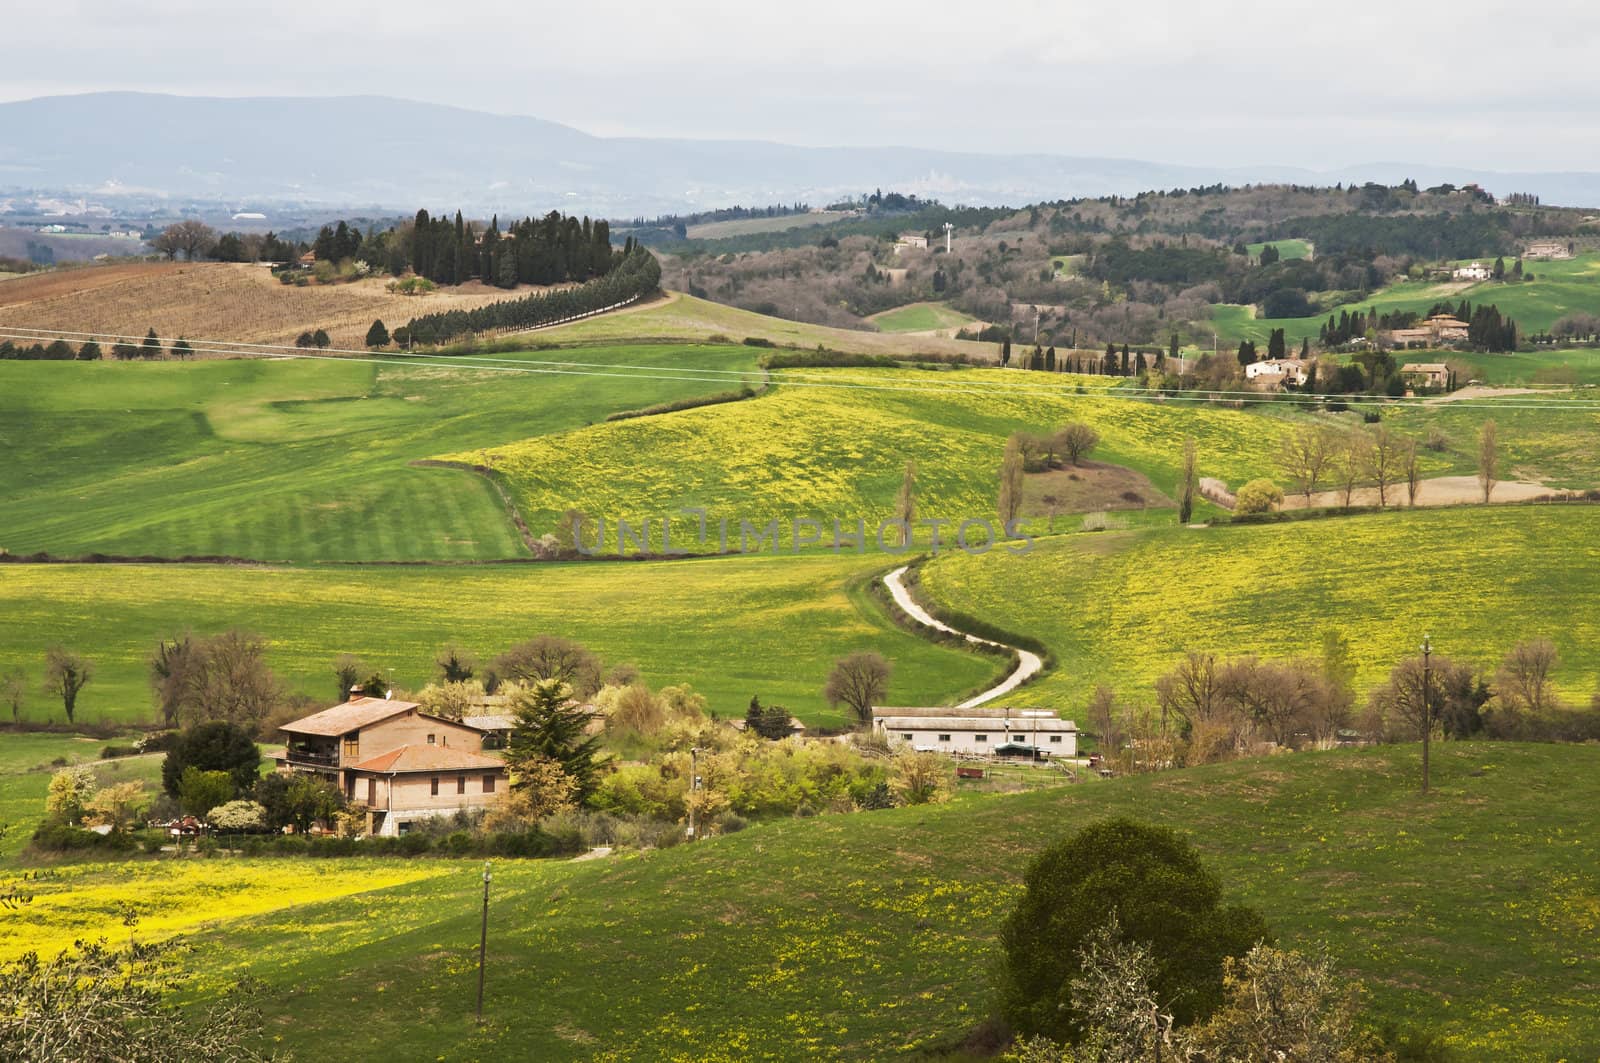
(549, 725)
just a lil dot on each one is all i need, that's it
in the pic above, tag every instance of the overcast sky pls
(1487, 83)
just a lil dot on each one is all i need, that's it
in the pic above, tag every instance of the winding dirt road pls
(1029, 664)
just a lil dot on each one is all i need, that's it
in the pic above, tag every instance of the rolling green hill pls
(1558, 289)
(295, 460)
(870, 936)
(1121, 608)
(731, 627)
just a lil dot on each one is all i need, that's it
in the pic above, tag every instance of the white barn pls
(1277, 371)
(977, 731)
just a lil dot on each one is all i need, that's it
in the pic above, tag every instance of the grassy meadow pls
(296, 460)
(1287, 249)
(920, 317)
(730, 627)
(868, 936)
(1120, 608)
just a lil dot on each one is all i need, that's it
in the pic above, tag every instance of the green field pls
(1287, 249)
(731, 627)
(1559, 288)
(717, 230)
(1121, 608)
(296, 460)
(26, 762)
(920, 317)
(868, 936)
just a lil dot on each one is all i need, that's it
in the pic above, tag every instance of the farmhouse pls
(915, 240)
(1276, 372)
(1548, 249)
(1475, 272)
(405, 764)
(1438, 330)
(977, 731)
(1426, 374)
(413, 783)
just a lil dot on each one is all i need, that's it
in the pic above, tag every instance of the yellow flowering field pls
(834, 444)
(175, 896)
(1122, 607)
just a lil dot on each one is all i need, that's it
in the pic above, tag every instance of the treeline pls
(553, 249)
(1474, 234)
(636, 274)
(149, 349)
(680, 222)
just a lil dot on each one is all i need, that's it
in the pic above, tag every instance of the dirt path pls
(1028, 666)
(1439, 491)
(1482, 392)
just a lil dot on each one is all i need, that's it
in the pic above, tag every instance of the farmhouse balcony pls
(321, 757)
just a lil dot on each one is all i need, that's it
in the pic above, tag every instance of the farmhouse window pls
(944, 738)
(488, 784)
(435, 781)
(430, 740)
(1056, 739)
(980, 738)
(372, 791)
(908, 736)
(352, 744)
(461, 784)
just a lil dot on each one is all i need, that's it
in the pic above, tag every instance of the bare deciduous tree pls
(1352, 460)
(1105, 716)
(1488, 458)
(1076, 441)
(1523, 681)
(1413, 474)
(1383, 456)
(1189, 691)
(1306, 457)
(551, 657)
(14, 692)
(858, 681)
(224, 677)
(193, 238)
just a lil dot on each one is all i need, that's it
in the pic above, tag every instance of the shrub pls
(65, 838)
(1258, 496)
(111, 752)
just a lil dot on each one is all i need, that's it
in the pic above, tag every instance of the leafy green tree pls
(378, 335)
(201, 791)
(298, 800)
(1009, 500)
(66, 673)
(347, 672)
(68, 792)
(214, 746)
(551, 725)
(1165, 901)
(1258, 496)
(1188, 482)
(771, 722)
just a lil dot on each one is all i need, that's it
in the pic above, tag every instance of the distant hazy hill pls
(370, 150)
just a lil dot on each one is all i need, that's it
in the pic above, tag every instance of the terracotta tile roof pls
(350, 716)
(427, 758)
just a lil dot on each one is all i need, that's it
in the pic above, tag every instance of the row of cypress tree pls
(635, 274)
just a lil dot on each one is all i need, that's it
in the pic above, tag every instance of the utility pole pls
(694, 785)
(483, 938)
(1427, 706)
